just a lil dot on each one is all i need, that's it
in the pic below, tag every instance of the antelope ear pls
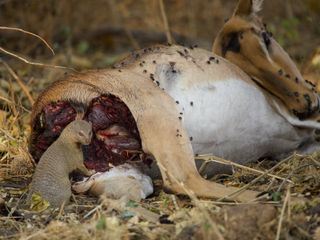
(248, 7)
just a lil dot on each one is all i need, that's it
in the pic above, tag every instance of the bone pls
(51, 177)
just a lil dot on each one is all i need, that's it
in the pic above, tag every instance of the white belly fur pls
(231, 116)
(233, 119)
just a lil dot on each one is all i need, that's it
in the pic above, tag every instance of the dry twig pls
(29, 33)
(24, 88)
(165, 22)
(282, 213)
(230, 163)
(194, 198)
(245, 187)
(34, 63)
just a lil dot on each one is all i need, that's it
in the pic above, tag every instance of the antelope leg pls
(163, 136)
(174, 157)
(162, 133)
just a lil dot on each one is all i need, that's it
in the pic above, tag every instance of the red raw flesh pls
(53, 119)
(118, 139)
(115, 140)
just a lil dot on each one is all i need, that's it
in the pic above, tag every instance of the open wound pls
(115, 140)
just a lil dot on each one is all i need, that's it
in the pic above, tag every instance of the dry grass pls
(293, 184)
(295, 214)
(181, 217)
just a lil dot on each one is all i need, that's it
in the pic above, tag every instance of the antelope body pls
(189, 100)
(157, 120)
(223, 110)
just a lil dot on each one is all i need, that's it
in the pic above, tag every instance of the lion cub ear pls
(247, 8)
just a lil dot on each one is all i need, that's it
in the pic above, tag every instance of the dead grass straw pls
(24, 88)
(196, 201)
(285, 202)
(24, 59)
(245, 187)
(165, 22)
(34, 63)
(208, 158)
(29, 33)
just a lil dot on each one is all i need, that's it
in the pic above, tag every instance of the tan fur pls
(183, 58)
(153, 110)
(248, 7)
(51, 177)
(123, 181)
(128, 188)
(270, 67)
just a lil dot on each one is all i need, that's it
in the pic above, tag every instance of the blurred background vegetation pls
(114, 26)
(96, 33)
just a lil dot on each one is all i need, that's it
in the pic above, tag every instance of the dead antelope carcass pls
(154, 120)
(264, 108)
(246, 101)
